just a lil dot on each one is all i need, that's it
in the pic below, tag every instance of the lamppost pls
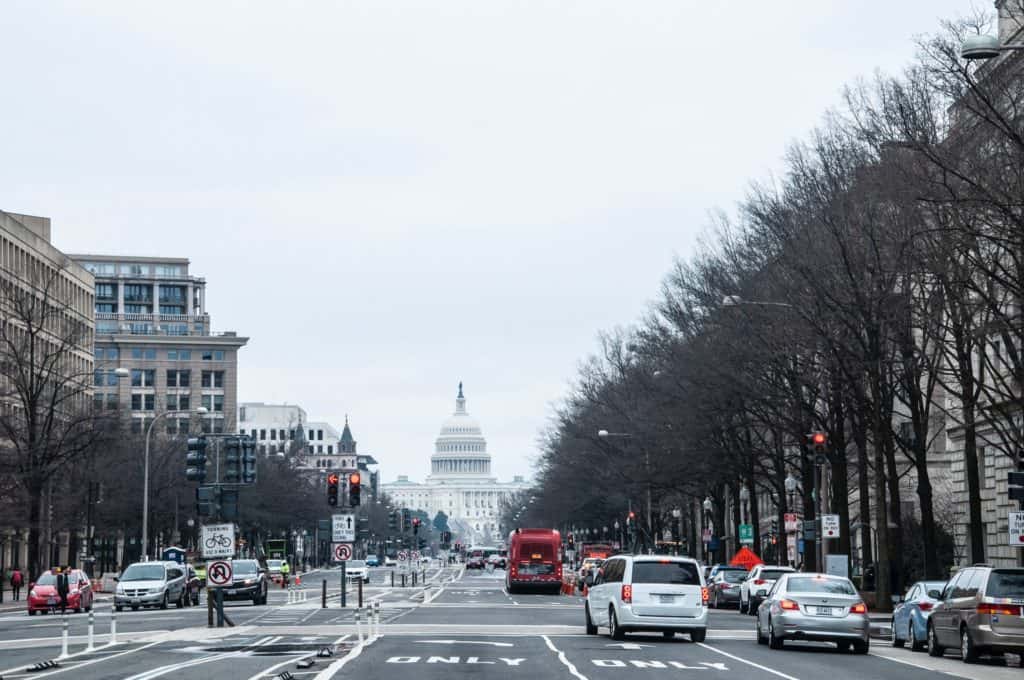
(857, 526)
(980, 47)
(618, 536)
(744, 500)
(708, 505)
(605, 434)
(202, 410)
(677, 515)
(792, 484)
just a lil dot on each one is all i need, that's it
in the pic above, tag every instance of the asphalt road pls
(459, 624)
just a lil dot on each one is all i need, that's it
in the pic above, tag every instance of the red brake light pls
(704, 595)
(859, 608)
(759, 582)
(925, 606)
(789, 605)
(994, 609)
(627, 594)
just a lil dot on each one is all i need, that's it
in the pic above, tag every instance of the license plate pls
(232, 592)
(667, 599)
(51, 601)
(824, 611)
(136, 601)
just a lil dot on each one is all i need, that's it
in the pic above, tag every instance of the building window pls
(213, 355)
(178, 402)
(330, 448)
(170, 309)
(214, 403)
(143, 378)
(97, 401)
(320, 435)
(168, 270)
(112, 401)
(273, 435)
(176, 378)
(101, 268)
(172, 295)
(263, 434)
(140, 353)
(136, 309)
(110, 353)
(143, 402)
(134, 292)
(213, 379)
(106, 308)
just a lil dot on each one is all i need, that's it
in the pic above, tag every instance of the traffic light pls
(248, 461)
(392, 520)
(353, 489)
(1015, 481)
(775, 526)
(195, 460)
(332, 489)
(406, 519)
(818, 441)
(206, 501)
(232, 460)
(415, 526)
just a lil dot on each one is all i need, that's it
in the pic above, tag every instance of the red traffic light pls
(353, 478)
(332, 478)
(632, 515)
(818, 438)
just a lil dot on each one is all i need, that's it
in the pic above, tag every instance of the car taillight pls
(925, 606)
(859, 608)
(726, 586)
(789, 605)
(1005, 609)
(704, 595)
(759, 582)
(627, 594)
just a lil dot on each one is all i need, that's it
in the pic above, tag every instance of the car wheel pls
(180, 602)
(118, 608)
(742, 605)
(163, 602)
(591, 628)
(614, 632)
(934, 648)
(752, 607)
(699, 635)
(915, 644)
(135, 607)
(773, 641)
(78, 609)
(31, 612)
(843, 646)
(861, 646)
(894, 638)
(968, 651)
(760, 635)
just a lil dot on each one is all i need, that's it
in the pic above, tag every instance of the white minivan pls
(634, 593)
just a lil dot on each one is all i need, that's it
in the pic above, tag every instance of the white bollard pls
(64, 637)
(359, 628)
(92, 640)
(113, 626)
(376, 616)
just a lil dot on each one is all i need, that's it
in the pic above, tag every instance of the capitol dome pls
(460, 448)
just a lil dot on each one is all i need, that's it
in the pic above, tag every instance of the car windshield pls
(143, 572)
(356, 564)
(1006, 583)
(47, 579)
(773, 574)
(734, 576)
(247, 567)
(679, 573)
(273, 564)
(817, 584)
(933, 585)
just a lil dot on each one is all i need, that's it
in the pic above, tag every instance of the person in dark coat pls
(16, 582)
(63, 588)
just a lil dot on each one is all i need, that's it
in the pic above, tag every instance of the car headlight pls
(156, 591)
(32, 593)
(120, 590)
(250, 581)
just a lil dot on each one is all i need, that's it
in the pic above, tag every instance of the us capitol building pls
(460, 482)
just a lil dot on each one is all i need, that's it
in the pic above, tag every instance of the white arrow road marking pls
(469, 642)
(628, 645)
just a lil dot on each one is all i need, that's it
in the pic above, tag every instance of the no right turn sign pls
(1016, 527)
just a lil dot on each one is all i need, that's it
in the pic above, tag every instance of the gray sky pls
(390, 197)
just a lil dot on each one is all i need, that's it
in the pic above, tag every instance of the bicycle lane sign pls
(218, 540)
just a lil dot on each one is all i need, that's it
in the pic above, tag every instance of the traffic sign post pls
(830, 526)
(403, 560)
(341, 551)
(343, 528)
(219, 573)
(747, 534)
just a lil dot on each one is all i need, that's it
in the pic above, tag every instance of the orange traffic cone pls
(298, 580)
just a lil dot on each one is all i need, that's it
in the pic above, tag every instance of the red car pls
(43, 597)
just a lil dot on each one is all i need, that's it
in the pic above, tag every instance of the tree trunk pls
(977, 526)
(860, 438)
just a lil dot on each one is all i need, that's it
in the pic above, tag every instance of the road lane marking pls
(565, 661)
(332, 670)
(270, 671)
(103, 657)
(749, 663)
(469, 642)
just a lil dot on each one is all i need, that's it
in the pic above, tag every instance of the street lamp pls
(857, 526)
(202, 410)
(677, 515)
(707, 505)
(744, 499)
(980, 47)
(792, 483)
(736, 301)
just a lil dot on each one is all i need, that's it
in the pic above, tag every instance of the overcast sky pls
(391, 197)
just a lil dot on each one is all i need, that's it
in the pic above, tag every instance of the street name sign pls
(341, 551)
(747, 534)
(1016, 527)
(218, 540)
(219, 573)
(830, 526)
(343, 528)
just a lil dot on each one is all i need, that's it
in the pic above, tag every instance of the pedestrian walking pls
(16, 582)
(63, 588)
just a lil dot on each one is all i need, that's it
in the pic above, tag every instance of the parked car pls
(372, 561)
(357, 569)
(724, 589)
(814, 607)
(43, 596)
(192, 586)
(248, 582)
(910, 618)
(979, 611)
(757, 584)
(648, 593)
(150, 584)
(390, 562)
(712, 570)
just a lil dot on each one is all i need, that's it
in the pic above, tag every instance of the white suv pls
(757, 585)
(648, 593)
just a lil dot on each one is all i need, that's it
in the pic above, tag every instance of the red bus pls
(534, 560)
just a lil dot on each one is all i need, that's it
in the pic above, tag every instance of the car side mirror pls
(935, 594)
(32, 584)
(590, 580)
(117, 579)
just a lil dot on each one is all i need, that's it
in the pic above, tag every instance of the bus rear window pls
(537, 551)
(679, 573)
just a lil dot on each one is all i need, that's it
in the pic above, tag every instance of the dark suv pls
(979, 612)
(249, 582)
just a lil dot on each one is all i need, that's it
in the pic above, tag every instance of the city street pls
(459, 619)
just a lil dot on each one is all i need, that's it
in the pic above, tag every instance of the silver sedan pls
(814, 607)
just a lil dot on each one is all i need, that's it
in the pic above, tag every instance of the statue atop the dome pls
(460, 390)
